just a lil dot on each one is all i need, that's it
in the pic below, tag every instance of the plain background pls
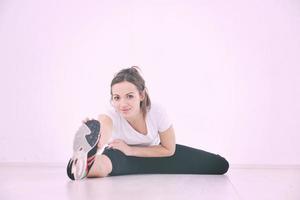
(226, 71)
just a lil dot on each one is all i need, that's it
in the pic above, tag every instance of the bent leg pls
(186, 160)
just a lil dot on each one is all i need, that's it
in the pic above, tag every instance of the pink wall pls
(226, 71)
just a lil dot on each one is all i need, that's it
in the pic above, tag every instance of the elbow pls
(173, 149)
(167, 152)
(171, 152)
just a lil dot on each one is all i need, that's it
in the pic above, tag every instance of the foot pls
(84, 150)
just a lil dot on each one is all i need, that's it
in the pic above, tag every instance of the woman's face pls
(126, 99)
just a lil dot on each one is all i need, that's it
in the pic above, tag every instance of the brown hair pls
(133, 76)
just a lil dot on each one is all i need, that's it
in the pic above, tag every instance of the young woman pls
(135, 137)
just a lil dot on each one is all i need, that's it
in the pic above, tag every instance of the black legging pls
(186, 160)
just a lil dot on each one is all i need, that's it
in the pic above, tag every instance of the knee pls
(224, 166)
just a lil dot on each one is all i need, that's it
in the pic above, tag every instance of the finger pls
(111, 144)
(85, 120)
(115, 141)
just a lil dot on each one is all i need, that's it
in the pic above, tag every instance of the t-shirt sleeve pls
(163, 120)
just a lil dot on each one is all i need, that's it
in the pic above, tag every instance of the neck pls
(136, 119)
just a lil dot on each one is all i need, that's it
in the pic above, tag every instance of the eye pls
(116, 98)
(130, 96)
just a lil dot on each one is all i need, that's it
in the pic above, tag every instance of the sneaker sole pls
(87, 136)
(85, 140)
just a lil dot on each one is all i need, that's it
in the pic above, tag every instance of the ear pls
(142, 95)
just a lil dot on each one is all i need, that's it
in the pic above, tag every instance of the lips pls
(125, 110)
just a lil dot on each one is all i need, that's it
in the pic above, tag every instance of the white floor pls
(25, 182)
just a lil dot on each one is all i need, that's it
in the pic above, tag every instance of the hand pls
(86, 119)
(121, 145)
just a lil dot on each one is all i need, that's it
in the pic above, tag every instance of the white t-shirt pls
(157, 121)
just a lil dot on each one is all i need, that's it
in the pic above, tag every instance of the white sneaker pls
(84, 150)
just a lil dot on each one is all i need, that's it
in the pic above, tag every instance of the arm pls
(165, 149)
(105, 130)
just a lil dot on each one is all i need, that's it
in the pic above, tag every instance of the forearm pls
(104, 138)
(150, 151)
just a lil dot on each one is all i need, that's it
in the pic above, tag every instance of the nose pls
(123, 103)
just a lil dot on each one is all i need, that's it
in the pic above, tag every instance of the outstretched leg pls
(186, 160)
(101, 167)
